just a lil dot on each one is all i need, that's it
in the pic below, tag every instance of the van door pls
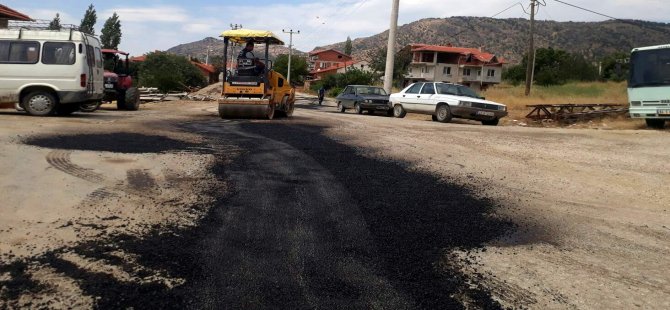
(93, 69)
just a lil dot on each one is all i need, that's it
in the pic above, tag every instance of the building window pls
(466, 72)
(491, 73)
(479, 72)
(446, 70)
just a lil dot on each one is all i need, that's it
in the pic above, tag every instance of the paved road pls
(179, 209)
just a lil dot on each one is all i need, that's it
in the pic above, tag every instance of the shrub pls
(169, 72)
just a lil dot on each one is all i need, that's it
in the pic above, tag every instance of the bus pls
(649, 85)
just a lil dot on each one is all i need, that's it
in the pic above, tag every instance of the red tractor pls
(118, 82)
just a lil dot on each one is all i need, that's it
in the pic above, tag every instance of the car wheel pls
(398, 111)
(493, 122)
(340, 107)
(655, 123)
(358, 108)
(443, 114)
(40, 103)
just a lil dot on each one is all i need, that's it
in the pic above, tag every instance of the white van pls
(50, 72)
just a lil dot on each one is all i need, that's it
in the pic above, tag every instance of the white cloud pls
(168, 14)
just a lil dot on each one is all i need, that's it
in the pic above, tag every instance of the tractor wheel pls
(132, 99)
(121, 100)
(40, 103)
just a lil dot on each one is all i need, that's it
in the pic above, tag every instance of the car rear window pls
(19, 52)
(415, 88)
(428, 89)
(59, 53)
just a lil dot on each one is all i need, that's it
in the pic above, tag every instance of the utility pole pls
(390, 51)
(531, 49)
(290, 51)
(233, 44)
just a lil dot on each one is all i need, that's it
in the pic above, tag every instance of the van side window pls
(19, 52)
(90, 55)
(59, 53)
(98, 57)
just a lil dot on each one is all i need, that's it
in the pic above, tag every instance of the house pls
(341, 68)
(471, 67)
(7, 14)
(325, 59)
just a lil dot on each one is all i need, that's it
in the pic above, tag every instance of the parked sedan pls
(364, 98)
(445, 101)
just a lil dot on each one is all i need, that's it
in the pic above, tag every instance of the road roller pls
(251, 88)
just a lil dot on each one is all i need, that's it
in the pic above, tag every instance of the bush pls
(169, 72)
(336, 82)
(334, 92)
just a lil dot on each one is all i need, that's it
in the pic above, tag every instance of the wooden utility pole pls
(290, 52)
(531, 49)
(390, 52)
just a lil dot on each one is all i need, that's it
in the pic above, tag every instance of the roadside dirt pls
(150, 209)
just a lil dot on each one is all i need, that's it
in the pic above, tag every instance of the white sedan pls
(445, 101)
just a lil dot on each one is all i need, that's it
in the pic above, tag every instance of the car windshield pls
(467, 92)
(371, 91)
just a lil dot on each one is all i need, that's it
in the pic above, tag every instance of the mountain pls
(509, 37)
(198, 49)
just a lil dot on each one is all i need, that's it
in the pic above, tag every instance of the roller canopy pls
(258, 36)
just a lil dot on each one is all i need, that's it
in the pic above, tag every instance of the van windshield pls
(650, 68)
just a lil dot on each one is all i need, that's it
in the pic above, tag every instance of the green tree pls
(615, 67)
(348, 46)
(403, 59)
(111, 33)
(55, 23)
(554, 67)
(298, 67)
(90, 19)
(170, 72)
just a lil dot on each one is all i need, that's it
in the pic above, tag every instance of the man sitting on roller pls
(247, 53)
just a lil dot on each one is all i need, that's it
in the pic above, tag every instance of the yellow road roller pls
(251, 89)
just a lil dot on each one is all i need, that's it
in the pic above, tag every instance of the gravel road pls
(171, 207)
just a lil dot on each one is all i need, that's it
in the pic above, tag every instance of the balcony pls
(418, 75)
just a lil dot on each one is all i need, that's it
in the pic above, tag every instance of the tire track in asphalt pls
(60, 160)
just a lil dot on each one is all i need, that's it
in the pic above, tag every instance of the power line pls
(494, 15)
(614, 18)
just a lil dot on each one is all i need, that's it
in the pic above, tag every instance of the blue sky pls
(159, 25)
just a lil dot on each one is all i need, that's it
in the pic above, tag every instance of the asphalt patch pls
(120, 142)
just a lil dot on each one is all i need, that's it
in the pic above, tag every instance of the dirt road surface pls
(172, 207)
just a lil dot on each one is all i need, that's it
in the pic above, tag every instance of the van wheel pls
(132, 99)
(40, 103)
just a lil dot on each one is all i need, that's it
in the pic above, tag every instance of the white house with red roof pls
(7, 14)
(471, 67)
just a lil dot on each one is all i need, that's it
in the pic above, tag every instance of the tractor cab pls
(118, 82)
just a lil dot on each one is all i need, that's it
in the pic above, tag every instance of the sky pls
(158, 25)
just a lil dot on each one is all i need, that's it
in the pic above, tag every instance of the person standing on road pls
(322, 93)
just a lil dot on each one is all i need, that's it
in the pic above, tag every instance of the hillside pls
(198, 49)
(508, 37)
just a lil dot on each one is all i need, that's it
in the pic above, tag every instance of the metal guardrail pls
(574, 112)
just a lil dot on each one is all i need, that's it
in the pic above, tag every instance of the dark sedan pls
(364, 98)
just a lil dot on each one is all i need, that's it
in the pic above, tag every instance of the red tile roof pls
(208, 68)
(8, 13)
(316, 52)
(475, 52)
(337, 66)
